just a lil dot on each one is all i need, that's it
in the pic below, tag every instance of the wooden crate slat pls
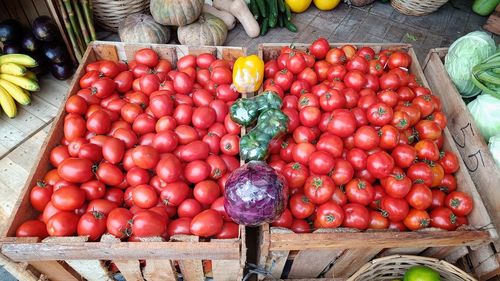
(16, 12)
(10, 136)
(191, 269)
(400, 251)
(41, 108)
(52, 91)
(450, 254)
(29, 10)
(350, 261)
(159, 270)
(20, 271)
(276, 263)
(23, 154)
(130, 269)
(471, 145)
(485, 262)
(493, 22)
(105, 52)
(309, 263)
(91, 270)
(56, 271)
(226, 270)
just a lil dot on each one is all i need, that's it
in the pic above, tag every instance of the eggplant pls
(55, 52)
(62, 71)
(11, 31)
(12, 48)
(43, 65)
(45, 29)
(30, 43)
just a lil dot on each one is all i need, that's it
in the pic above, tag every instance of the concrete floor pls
(375, 23)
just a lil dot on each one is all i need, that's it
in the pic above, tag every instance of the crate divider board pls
(85, 259)
(356, 248)
(475, 155)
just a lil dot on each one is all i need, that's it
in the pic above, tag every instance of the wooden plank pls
(16, 12)
(105, 52)
(377, 239)
(91, 270)
(23, 154)
(400, 251)
(311, 263)
(226, 270)
(485, 262)
(450, 254)
(159, 270)
(493, 23)
(10, 136)
(191, 269)
(276, 263)
(42, 9)
(263, 251)
(19, 271)
(24, 121)
(42, 109)
(29, 10)
(53, 91)
(55, 271)
(130, 269)
(350, 261)
(471, 145)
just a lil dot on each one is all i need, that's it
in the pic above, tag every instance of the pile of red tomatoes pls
(146, 151)
(364, 143)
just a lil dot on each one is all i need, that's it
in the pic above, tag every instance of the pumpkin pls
(140, 28)
(209, 30)
(176, 12)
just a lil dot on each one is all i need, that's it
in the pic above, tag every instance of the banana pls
(7, 103)
(12, 69)
(16, 92)
(21, 81)
(21, 59)
(31, 75)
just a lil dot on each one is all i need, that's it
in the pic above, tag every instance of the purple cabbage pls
(255, 194)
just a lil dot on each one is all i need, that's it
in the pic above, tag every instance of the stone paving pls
(375, 23)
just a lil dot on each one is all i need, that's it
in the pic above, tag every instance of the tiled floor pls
(374, 23)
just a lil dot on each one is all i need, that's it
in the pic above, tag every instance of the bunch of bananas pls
(16, 81)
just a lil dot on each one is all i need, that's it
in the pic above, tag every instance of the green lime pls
(421, 273)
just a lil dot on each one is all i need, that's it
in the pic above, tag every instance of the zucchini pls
(280, 19)
(281, 6)
(254, 9)
(262, 7)
(264, 27)
(288, 12)
(273, 13)
(290, 26)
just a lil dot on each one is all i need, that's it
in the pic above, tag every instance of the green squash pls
(209, 30)
(140, 28)
(176, 12)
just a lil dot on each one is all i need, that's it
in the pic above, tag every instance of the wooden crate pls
(475, 154)
(73, 258)
(493, 22)
(338, 253)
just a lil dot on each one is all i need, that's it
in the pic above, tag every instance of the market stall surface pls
(22, 137)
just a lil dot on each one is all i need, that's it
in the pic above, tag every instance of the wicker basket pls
(109, 13)
(393, 267)
(417, 7)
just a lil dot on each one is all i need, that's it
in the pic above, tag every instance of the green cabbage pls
(485, 110)
(494, 147)
(466, 52)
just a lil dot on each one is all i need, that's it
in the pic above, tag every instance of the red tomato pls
(310, 116)
(300, 206)
(179, 226)
(449, 161)
(74, 127)
(319, 189)
(229, 230)
(207, 223)
(204, 60)
(118, 222)
(443, 218)
(115, 195)
(221, 75)
(342, 173)
(183, 84)
(366, 138)
(203, 117)
(92, 224)
(76, 104)
(329, 215)
(301, 152)
(295, 62)
(396, 185)
(420, 172)
(380, 164)
(76, 170)
(355, 79)
(319, 48)
(394, 208)
(206, 192)
(417, 219)
(295, 175)
(109, 174)
(32, 228)
(336, 56)
(448, 183)
(230, 145)
(420, 197)
(40, 195)
(357, 158)
(356, 216)
(428, 129)
(145, 156)
(62, 224)
(284, 79)
(342, 124)
(186, 134)
(321, 162)
(174, 193)
(378, 221)
(144, 196)
(218, 205)
(99, 122)
(113, 150)
(196, 171)
(300, 226)
(359, 191)
(148, 224)
(399, 59)
(358, 63)
(189, 208)
(270, 68)
(332, 100)
(284, 220)
(460, 203)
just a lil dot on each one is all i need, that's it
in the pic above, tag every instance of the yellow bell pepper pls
(298, 6)
(248, 74)
(326, 5)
